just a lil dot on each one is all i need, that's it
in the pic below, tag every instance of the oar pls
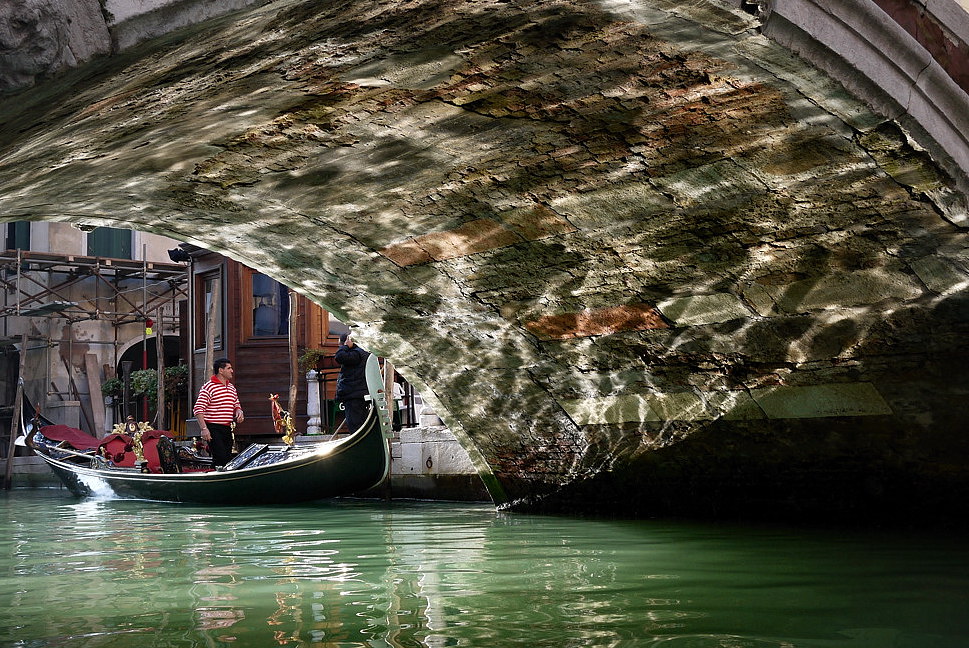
(75, 453)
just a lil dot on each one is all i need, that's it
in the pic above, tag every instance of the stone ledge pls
(874, 54)
(821, 401)
(780, 402)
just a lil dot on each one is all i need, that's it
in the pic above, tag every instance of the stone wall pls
(42, 38)
(429, 463)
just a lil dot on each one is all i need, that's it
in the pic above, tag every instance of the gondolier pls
(351, 385)
(217, 409)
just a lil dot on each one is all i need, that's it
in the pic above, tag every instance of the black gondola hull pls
(278, 474)
(352, 466)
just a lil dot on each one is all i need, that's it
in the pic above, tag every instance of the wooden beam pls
(160, 355)
(94, 387)
(77, 396)
(18, 404)
(293, 370)
(210, 324)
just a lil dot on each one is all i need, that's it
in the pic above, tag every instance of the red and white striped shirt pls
(218, 402)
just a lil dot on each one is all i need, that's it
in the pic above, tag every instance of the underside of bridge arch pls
(645, 260)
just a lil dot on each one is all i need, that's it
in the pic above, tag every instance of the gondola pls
(260, 474)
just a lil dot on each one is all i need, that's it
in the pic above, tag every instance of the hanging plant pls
(144, 382)
(113, 387)
(311, 359)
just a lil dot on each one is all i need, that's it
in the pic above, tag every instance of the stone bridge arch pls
(644, 259)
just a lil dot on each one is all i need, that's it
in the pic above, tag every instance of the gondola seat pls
(119, 449)
(167, 455)
(74, 438)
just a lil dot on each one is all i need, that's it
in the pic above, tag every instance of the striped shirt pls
(218, 402)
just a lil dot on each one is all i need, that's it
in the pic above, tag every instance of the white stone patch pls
(820, 401)
(133, 21)
(430, 451)
(122, 10)
(703, 309)
(939, 275)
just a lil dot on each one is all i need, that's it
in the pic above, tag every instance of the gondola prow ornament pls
(282, 421)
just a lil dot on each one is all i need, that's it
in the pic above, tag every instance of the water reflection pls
(120, 573)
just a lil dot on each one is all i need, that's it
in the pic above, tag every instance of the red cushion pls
(77, 439)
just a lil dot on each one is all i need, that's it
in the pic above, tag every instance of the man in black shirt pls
(351, 385)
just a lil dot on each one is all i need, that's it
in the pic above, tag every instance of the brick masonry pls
(644, 262)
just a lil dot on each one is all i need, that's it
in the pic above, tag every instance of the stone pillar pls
(429, 417)
(313, 402)
(108, 415)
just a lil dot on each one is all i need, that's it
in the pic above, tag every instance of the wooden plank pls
(293, 360)
(160, 364)
(77, 396)
(210, 324)
(94, 387)
(17, 412)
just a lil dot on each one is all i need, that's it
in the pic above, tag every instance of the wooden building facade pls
(251, 327)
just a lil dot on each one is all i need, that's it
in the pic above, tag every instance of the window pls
(270, 307)
(207, 287)
(18, 236)
(109, 242)
(337, 328)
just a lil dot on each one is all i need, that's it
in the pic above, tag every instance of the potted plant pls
(176, 381)
(311, 359)
(144, 383)
(112, 388)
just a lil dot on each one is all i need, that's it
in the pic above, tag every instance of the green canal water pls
(81, 573)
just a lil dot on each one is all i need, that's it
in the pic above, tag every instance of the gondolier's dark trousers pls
(221, 444)
(355, 410)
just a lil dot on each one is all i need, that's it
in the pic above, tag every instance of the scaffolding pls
(51, 275)
(117, 291)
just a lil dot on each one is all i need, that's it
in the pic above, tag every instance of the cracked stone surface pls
(641, 258)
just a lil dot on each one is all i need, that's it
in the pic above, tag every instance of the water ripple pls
(354, 573)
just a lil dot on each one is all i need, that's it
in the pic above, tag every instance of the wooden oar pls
(75, 453)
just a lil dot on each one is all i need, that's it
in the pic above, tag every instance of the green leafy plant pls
(113, 387)
(144, 382)
(176, 381)
(311, 359)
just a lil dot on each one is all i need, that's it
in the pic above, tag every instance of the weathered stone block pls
(820, 401)
(610, 410)
(939, 275)
(703, 309)
(735, 405)
(840, 289)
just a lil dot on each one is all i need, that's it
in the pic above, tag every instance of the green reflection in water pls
(360, 573)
